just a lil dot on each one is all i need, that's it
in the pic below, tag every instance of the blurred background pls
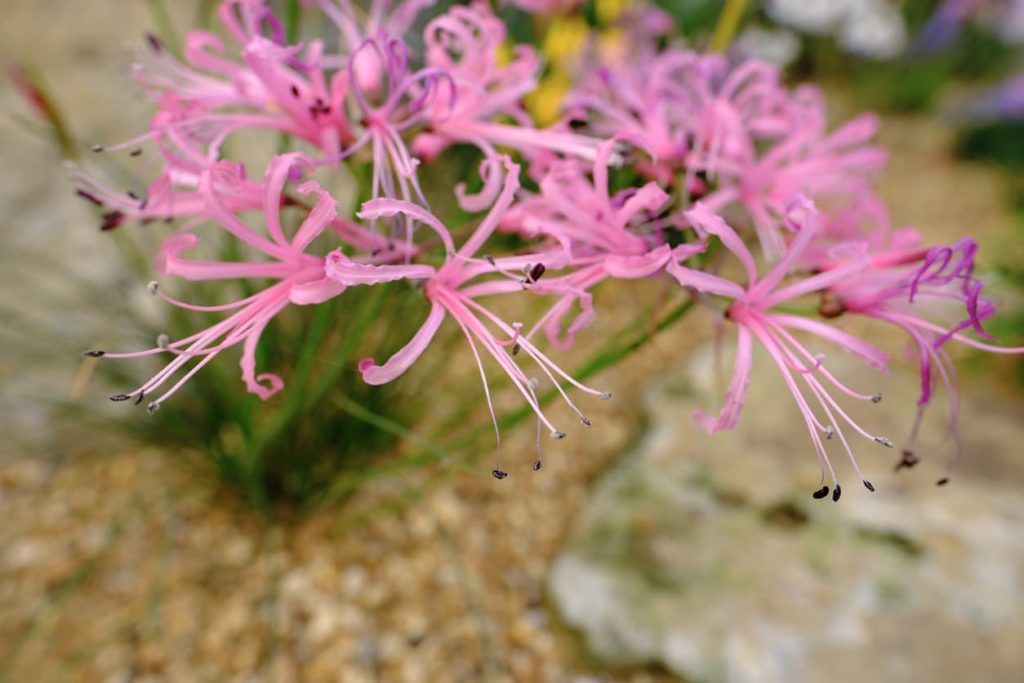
(205, 545)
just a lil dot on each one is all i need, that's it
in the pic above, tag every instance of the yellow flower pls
(564, 41)
(608, 11)
(545, 102)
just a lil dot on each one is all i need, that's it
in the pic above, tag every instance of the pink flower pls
(453, 291)
(356, 25)
(299, 278)
(833, 169)
(602, 236)
(914, 289)
(465, 44)
(692, 111)
(737, 133)
(752, 312)
(293, 89)
(174, 194)
(398, 101)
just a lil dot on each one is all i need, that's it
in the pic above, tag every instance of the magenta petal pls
(729, 415)
(325, 211)
(704, 282)
(169, 262)
(315, 292)
(650, 197)
(705, 220)
(407, 355)
(385, 208)
(870, 353)
(278, 171)
(490, 171)
(343, 270)
(265, 384)
(634, 267)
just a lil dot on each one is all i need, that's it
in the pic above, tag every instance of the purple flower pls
(934, 296)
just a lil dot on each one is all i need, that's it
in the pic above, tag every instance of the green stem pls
(292, 16)
(301, 398)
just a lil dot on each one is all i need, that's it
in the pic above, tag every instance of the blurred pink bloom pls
(356, 25)
(737, 134)
(833, 169)
(465, 43)
(174, 194)
(694, 112)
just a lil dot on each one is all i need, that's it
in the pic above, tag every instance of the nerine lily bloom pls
(603, 236)
(176, 194)
(292, 89)
(298, 278)
(399, 101)
(465, 43)
(934, 296)
(753, 311)
(832, 169)
(388, 17)
(453, 290)
(692, 111)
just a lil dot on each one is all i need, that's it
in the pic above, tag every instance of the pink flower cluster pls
(667, 165)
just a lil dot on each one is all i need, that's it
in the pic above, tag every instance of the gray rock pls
(709, 556)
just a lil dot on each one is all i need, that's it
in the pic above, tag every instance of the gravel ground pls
(132, 567)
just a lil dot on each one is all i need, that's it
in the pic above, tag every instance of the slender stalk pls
(728, 23)
(165, 26)
(33, 88)
(292, 18)
(281, 418)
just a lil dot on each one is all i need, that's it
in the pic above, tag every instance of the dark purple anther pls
(89, 197)
(111, 220)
